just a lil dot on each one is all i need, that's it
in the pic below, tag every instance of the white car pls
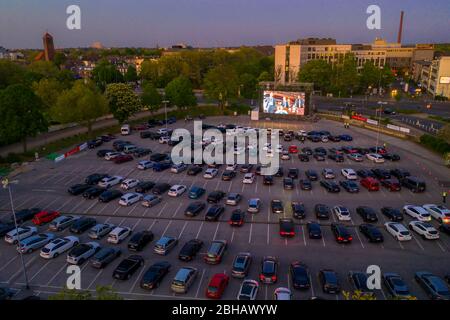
(350, 174)
(162, 131)
(57, 246)
(328, 173)
(13, 237)
(440, 213)
(111, 155)
(282, 294)
(100, 230)
(398, 231)
(118, 234)
(231, 167)
(342, 213)
(177, 190)
(302, 133)
(417, 212)
(424, 229)
(144, 165)
(82, 252)
(109, 182)
(164, 139)
(285, 155)
(375, 157)
(210, 173)
(249, 290)
(355, 157)
(130, 198)
(128, 184)
(249, 178)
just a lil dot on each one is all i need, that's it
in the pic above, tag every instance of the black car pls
(215, 196)
(6, 227)
(300, 276)
(128, 267)
(268, 180)
(269, 270)
(276, 206)
(159, 157)
(288, 183)
(154, 275)
(434, 286)
(245, 168)
(414, 184)
(365, 173)
(341, 233)
(160, 188)
(391, 156)
(381, 174)
(102, 153)
(371, 232)
(139, 240)
(307, 150)
(93, 192)
(392, 213)
(445, 228)
(194, 208)
(335, 138)
(83, 224)
(106, 255)
(25, 215)
(321, 150)
(400, 173)
(319, 156)
(396, 286)
(298, 210)
(78, 189)
(287, 228)
(94, 143)
(359, 282)
(109, 195)
(314, 230)
(94, 178)
(140, 152)
(305, 184)
(349, 186)
(312, 175)
(190, 249)
(330, 186)
(214, 213)
(280, 172)
(237, 218)
(303, 157)
(336, 157)
(367, 214)
(293, 173)
(322, 211)
(228, 175)
(194, 170)
(329, 281)
(144, 186)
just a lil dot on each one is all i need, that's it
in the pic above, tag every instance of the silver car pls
(165, 245)
(62, 222)
(100, 230)
(82, 252)
(183, 279)
(32, 243)
(151, 200)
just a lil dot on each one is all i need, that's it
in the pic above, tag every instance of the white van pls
(125, 129)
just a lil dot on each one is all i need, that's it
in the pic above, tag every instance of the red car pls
(123, 158)
(293, 149)
(45, 217)
(370, 184)
(217, 286)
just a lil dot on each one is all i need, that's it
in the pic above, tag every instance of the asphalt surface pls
(46, 186)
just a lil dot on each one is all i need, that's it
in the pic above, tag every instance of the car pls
(396, 286)
(357, 157)
(381, 174)
(130, 198)
(341, 233)
(109, 156)
(299, 275)
(391, 156)
(392, 213)
(144, 186)
(6, 227)
(424, 229)
(314, 230)
(268, 180)
(434, 286)
(322, 211)
(93, 192)
(139, 240)
(320, 151)
(95, 178)
(104, 256)
(102, 153)
(15, 235)
(365, 173)
(177, 190)
(367, 214)
(78, 189)
(140, 152)
(215, 196)
(328, 173)
(438, 212)
(118, 234)
(164, 139)
(241, 265)
(359, 281)
(349, 174)
(245, 168)
(194, 208)
(233, 199)
(109, 182)
(249, 178)
(160, 188)
(150, 200)
(398, 231)
(228, 175)
(305, 184)
(285, 155)
(269, 270)
(349, 186)
(144, 165)
(83, 224)
(217, 285)
(159, 157)
(100, 230)
(445, 227)
(375, 157)
(58, 246)
(210, 173)
(248, 290)
(417, 212)
(231, 167)
(303, 157)
(154, 275)
(307, 150)
(288, 183)
(34, 242)
(123, 158)
(128, 184)
(400, 174)
(214, 212)
(62, 222)
(82, 252)
(298, 210)
(44, 217)
(287, 228)
(329, 281)
(392, 184)
(109, 195)
(371, 184)
(378, 150)
(336, 157)
(312, 175)
(164, 245)
(128, 267)
(184, 279)
(177, 168)
(215, 252)
(277, 206)
(282, 294)
(254, 205)
(330, 186)
(194, 170)
(371, 232)
(342, 213)
(237, 218)
(92, 144)
(190, 250)
(346, 137)
(24, 215)
(293, 173)
(161, 166)
(293, 149)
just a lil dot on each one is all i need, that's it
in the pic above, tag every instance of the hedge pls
(434, 143)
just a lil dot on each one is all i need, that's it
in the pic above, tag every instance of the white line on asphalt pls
(303, 234)
(167, 227)
(76, 207)
(132, 209)
(9, 262)
(27, 264)
(200, 283)
(95, 278)
(39, 271)
(64, 204)
(57, 273)
(232, 236)
(312, 285)
(250, 233)
(418, 243)
(162, 209)
(217, 229)
(323, 241)
(151, 226)
(176, 211)
(357, 233)
(268, 233)
(440, 246)
(117, 209)
(400, 244)
(137, 278)
(199, 229)
(182, 230)
(137, 222)
(91, 206)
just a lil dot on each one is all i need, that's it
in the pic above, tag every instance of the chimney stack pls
(400, 29)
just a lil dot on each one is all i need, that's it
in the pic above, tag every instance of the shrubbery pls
(434, 143)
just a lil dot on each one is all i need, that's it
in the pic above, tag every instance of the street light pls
(380, 103)
(165, 109)
(7, 185)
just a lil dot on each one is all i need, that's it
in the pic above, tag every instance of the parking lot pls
(46, 187)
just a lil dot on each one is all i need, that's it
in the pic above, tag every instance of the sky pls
(217, 23)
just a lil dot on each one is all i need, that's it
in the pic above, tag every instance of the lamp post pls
(165, 109)
(7, 185)
(380, 103)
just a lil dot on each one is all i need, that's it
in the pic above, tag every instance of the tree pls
(346, 78)
(444, 133)
(150, 97)
(149, 71)
(358, 295)
(102, 293)
(248, 83)
(221, 83)
(105, 73)
(46, 69)
(10, 73)
(123, 101)
(131, 74)
(265, 76)
(179, 92)
(59, 59)
(82, 104)
(48, 90)
(370, 76)
(21, 114)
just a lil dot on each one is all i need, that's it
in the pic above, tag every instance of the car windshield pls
(268, 267)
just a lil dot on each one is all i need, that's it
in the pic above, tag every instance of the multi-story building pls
(49, 47)
(435, 76)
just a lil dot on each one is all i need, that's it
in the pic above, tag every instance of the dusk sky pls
(212, 23)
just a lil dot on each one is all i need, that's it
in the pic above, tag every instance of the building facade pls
(49, 47)
(435, 76)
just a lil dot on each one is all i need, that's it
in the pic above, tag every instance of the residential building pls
(435, 76)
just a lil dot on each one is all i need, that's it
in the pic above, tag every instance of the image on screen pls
(281, 102)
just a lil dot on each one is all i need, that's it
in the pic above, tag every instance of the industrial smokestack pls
(400, 29)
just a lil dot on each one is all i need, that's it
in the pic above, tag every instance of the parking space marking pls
(167, 227)
(176, 211)
(64, 204)
(303, 234)
(199, 229)
(418, 243)
(132, 209)
(135, 225)
(360, 241)
(9, 262)
(250, 233)
(312, 285)
(268, 233)
(18, 272)
(138, 278)
(151, 226)
(200, 283)
(39, 271)
(182, 230)
(162, 209)
(48, 206)
(217, 229)
(90, 207)
(95, 279)
(440, 246)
